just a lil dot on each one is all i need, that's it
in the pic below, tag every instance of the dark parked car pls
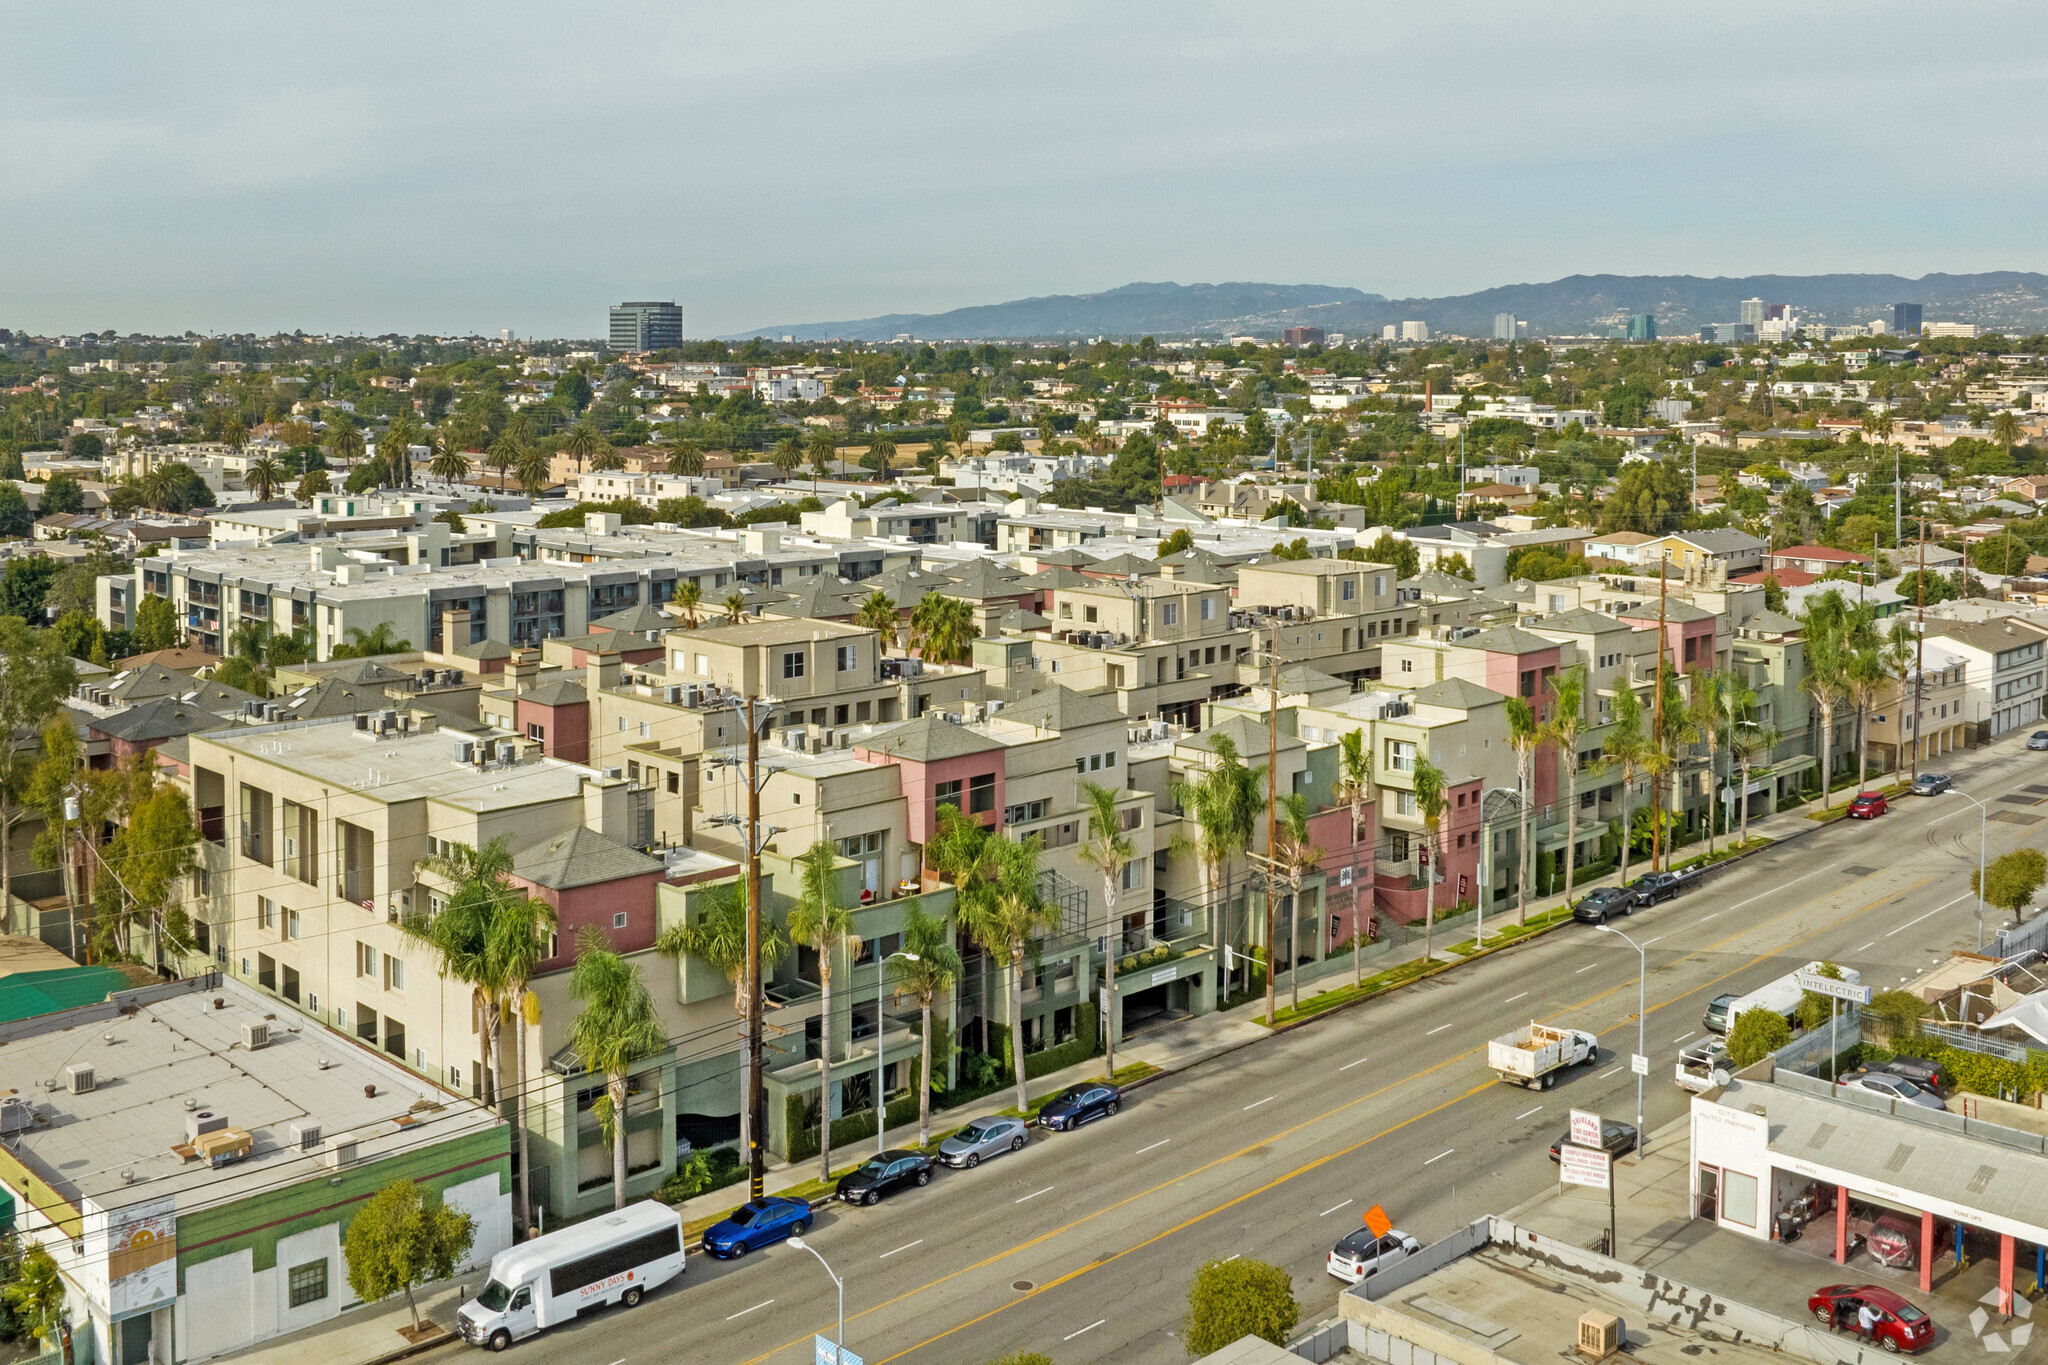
(1900, 1326)
(2038, 740)
(1077, 1104)
(1921, 1072)
(1615, 1138)
(1652, 887)
(884, 1174)
(758, 1223)
(1930, 784)
(1867, 806)
(983, 1138)
(1599, 904)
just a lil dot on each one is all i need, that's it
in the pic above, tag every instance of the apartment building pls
(1332, 613)
(1162, 646)
(1921, 716)
(2004, 671)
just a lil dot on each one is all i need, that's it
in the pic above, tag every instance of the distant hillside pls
(2011, 301)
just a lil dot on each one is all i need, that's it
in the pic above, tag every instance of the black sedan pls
(1652, 887)
(884, 1174)
(1077, 1104)
(1601, 903)
(1615, 1139)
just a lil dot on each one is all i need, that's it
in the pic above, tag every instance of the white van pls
(546, 1282)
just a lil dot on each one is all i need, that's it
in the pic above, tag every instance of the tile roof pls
(1581, 621)
(580, 857)
(1061, 709)
(1457, 694)
(1507, 640)
(636, 618)
(159, 718)
(929, 737)
(557, 692)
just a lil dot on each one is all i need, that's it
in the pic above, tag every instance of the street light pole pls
(838, 1337)
(1642, 978)
(1983, 821)
(881, 1108)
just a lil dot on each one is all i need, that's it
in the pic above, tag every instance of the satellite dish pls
(1720, 1077)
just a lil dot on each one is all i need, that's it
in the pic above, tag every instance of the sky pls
(457, 169)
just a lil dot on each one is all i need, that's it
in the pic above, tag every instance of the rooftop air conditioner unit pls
(273, 713)
(363, 720)
(793, 739)
(1600, 1335)
(306, 1136)
(340, 1151)
(17, 1115)
(255, 1036)
(614, 774)
(465, 752)
(203, 1121)
(78, 1078)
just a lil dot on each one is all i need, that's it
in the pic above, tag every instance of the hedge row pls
(803, 1136)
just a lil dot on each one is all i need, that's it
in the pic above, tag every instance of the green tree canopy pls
(1756, 1034)
(2013, 878)
(1229, 1300)
(62, 494)
(403, 1236)
(1651, 497)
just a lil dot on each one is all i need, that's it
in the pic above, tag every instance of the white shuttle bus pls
(546, 1282)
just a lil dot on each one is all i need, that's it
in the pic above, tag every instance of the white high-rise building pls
(1414, 331)
(1504, 326)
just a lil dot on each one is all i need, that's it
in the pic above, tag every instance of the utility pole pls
(757, 1153)
(1657, 778)
(1272, 816)
(1919, 647)
(1898, 504)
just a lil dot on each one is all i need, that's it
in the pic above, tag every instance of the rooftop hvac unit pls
(672, 694)
(465, 752)
(389, 718)
(306, 1137)
(273, 713)
(614, 774)
(793, 739)
(845, 739)
(202, 1122)
(78, 1078)
(362, 720)
(1600, 1335)
(340, 1151)
(255, 1035)
(453, 675)
(17, 1115)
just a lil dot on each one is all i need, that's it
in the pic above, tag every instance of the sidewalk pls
(369, 1334)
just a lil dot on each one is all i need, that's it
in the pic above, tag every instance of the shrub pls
(1816, 1009)
(1233, 1299)
(1897, 1012)
(1756, 1034)
(403, 1236)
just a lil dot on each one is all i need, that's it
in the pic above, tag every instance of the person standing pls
(1866, 1322)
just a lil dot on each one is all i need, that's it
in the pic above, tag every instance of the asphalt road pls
(1081, 1246)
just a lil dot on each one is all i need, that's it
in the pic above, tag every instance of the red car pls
(1900, 1326)
(1867, 806)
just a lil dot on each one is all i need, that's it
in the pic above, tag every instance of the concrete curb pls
(417, 1348)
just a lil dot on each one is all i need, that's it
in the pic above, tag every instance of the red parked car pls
(1867, 806)
(1900, 1326)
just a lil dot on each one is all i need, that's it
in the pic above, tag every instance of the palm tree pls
(369, 644)
(502, 455)
(1354, 789)
(584, 441)
(719, 940)
(1900, 654)
(1747, 741)
(942, 628)
(1823, 626)
(616, 1028)
(344, 442)
(1568, 692)
(1003, 913)
(822, 922)
(533, 471)
(735, 605)
(607, 460)
(878, 613)
(884, 450)
(450, 464)
(686, 459)
(1224, 803)
(822, 451)
(690, 597)
(1865, 679)
(926, 974)
(1525, 736)
(2005, 429)
(788, 457)
(1634, 753)
(396, 448)
(491, 936)
(235, 434)
(264, 476)
(1107, 850)
(1430, 800)
(1297, 856)
(1708, 707)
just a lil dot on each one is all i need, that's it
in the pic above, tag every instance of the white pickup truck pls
(1698, 1063)
(1534, 1055)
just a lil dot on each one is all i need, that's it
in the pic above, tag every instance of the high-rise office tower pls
(1753, 312)
(1504, 326)
(646, 326)
(1906, 319)
(1642, 327)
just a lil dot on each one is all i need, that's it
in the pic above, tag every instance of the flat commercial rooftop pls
(401, 767)
(179, 1055)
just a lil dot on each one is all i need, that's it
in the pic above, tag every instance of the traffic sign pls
(1638, 1063)
(1585, 1129)
(1588, 1166)
(1827, 985)
(1377, 1222)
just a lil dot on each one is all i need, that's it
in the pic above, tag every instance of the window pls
(1350, 590)
(291, 924)
(1089, 614)
(618, 919)
(848, 658)
(394, 973)
(1029, 810)
(1209, 605)
(536, 731)
(308, 1283)
(1407, 665)
(266, 912)
(1066, 611)
(981, 794)
(1400, 756)
(1169, 613)
(704, 665)
(1133, 875)
(1404, 802)
(947, 793)
(455, 1078)
(675, 783)
(793, 664)
(1379, 585)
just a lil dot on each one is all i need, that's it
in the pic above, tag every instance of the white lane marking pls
(1513, 998)
(1438, 1029)
(1779, 887)
(1161, 1143)
(744, 1311)
(1587, 968)
(1232, 1256)
(1648, 941)
(1868, 946)
(1935, 911)
(1327, 1212)
(1256, 1103)
(1705, 918)
(1034, 1194)
(1348, 1065)
(905, 1247)
(1683, 1036)
(1089, 1328)
(1525, 1113)
(1605, 1074)
(1440, 1156)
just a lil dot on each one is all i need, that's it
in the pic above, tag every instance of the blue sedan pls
(1077, 1104)
(758, 1223)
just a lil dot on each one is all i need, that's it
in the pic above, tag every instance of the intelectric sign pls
(1827, 985)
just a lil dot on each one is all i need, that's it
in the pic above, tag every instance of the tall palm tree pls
(264, 476)
(584, 441)
(362, 644)
(234, 434)
(942, 628)
(878, 613)
(1708, 707)
(449, 464)
(1525, 736)
(1430, 800)
(690, 597)
(2005, 429)
(1823, 626)
(1004, 913)
(534, 467)
(491, 936)
(1225, 803)
(686, 459)
(1354, 789)
(1297, 856)
(1864, 680)
(396, 448)
(344, 442)
(1747, 741)
(821, 450)
(926, 975)
(607, 460)
(822, 922)
(884, 451)
(616, 1027)
(1568, 694)
(1107, 849)
(502, 455)
(735, 605)
(1900, 655)
(718, 939)
(1635, 753)
(787, 457)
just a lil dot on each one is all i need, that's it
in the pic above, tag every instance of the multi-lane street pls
(1081, 1246)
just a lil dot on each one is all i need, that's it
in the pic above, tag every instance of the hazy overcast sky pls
(452, 168)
